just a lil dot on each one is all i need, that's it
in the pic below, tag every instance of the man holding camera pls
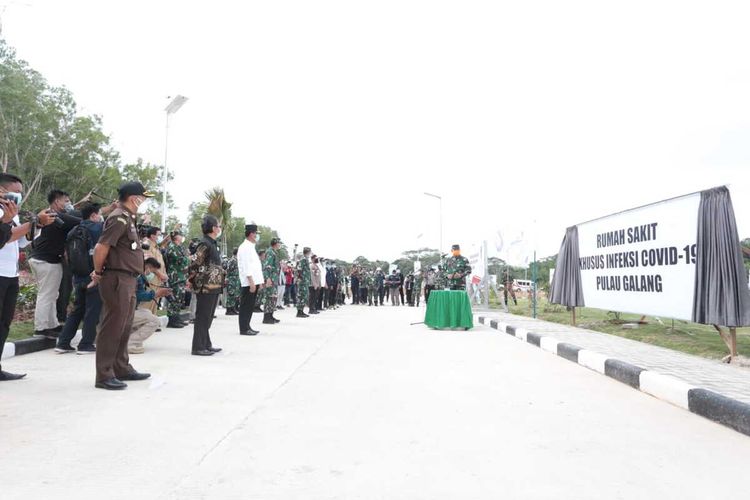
(118, 261)
(145, 322)
(12, 234)
(46, 263)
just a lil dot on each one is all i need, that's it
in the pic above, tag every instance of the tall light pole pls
(441, 218)
(171, 109)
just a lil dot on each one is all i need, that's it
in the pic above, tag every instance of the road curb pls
(706, 403)
(27, 346)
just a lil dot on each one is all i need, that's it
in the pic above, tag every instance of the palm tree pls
(219, 207)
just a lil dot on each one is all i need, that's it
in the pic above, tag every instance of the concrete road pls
(353, 403)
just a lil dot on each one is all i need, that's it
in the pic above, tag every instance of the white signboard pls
(642, 261)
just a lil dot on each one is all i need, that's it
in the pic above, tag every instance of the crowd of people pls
(122, 272)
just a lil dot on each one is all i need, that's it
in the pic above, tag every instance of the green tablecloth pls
(448, 309)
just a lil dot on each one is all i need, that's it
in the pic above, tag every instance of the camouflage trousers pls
(269, 299)
(175, 302)
(303, 296)
(233, 296)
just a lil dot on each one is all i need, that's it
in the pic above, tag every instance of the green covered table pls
(449, 309)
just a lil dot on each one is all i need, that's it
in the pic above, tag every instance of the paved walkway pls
(351, 404)
(729, 380)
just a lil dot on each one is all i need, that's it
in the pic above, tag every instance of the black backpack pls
(78, 249)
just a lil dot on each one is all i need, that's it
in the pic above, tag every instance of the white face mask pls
(159, 239)
(69, 207)
(142, 206)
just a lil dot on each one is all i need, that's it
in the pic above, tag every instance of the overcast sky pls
(327, 120)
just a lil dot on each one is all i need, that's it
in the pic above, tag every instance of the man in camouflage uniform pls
(441, 282)
(457, 268)
(372, 292)
(234, 287)
(271, 270)
(304, 281)
(417, 292)
(177, 261)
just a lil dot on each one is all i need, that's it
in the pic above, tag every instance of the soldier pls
(380, 285)
(441, 282)
(304, 279)
(177, 261)
(417, 292)
(234, 288)
(118, 261)
(370, 285)
(457, 268)
(271, 270)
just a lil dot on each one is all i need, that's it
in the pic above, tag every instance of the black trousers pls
(204, 317)
(408, 297)
(355, 293)
(247, 304)
(312, 299)
(401, 293)
(65, 291)
(8, 298)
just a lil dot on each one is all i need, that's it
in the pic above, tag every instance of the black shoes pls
(232, 312)
(62, 349)
(6, 376)
(86, 349)
(268, 319)
(204, 352)
(250, 332)
(50, 333)
(112, 384)
(301, 314)
(135, 376)
(214, 349)
(175, 323)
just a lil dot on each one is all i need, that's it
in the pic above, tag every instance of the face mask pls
(159, 239)
(69, 207)
(257, 237)
(150, 276)
(142, 206)
(218, 234)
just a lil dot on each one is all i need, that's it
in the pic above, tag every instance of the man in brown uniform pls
(118, 261)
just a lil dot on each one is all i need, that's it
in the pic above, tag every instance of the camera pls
(14, 197)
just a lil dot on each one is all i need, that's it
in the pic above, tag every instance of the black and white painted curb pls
(36, 344)
(709, 404)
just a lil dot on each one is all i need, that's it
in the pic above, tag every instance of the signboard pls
(643, 260)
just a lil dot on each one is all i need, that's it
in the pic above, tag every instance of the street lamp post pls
(440, 199)
(171, 109)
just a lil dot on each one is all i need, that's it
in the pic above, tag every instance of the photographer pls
(87, 303)
(46, 263)
(146, 323)
(12, 238)
(151, 242)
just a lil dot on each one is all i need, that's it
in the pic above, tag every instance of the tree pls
(45, 141)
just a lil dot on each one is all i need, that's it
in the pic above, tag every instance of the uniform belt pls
(122, 271)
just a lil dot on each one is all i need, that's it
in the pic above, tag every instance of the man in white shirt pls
(12, 187)
(251, 278)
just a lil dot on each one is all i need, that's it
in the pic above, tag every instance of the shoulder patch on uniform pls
(123, 220)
